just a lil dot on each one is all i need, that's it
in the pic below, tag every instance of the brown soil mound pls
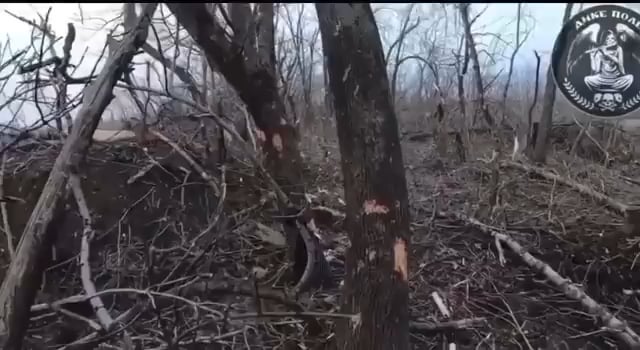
(144, 225)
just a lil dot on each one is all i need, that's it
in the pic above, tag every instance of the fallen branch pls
(106, 322)
(444, 310)
(216, 288)
(198, 285)
(208, 178)
(447, 325)
(631, 214)
(619, 207)
(85, 268)
(142, 172)
(22, 279)
(93, 324)
(123, 319)
(584, 130)
(611, 322)
(630, 180)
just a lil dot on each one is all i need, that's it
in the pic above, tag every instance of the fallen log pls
(630, 213)
(23, 277)
(611, 322)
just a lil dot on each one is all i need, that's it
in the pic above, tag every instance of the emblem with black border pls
(596, 61)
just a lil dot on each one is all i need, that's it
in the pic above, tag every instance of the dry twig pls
(619, 207)
(85, 267)
(208, 178)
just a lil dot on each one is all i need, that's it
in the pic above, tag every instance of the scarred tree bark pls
(246, 59)
(253, 79)
(376, 287)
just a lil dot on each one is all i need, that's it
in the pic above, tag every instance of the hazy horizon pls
(543, 19)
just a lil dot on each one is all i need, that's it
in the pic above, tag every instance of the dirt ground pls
(158, 223)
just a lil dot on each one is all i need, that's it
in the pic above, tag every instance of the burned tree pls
(376, 286)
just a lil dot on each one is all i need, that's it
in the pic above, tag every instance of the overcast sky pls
(496, 19)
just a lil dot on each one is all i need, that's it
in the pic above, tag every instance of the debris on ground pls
(512, 258)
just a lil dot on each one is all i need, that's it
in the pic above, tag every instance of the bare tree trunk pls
(307, 84)
(473, 55)
(250, 70)
(23, 278)
(328, 97)
(462, 64)
(398, 45)
(531, 133)
(266, 42)
(505, 92)
(376, 287)
(546, 119)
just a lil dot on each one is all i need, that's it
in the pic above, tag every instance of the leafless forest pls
(309, 176)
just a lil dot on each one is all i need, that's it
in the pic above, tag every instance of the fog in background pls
(495, 28)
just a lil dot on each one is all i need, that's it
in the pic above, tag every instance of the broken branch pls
(85, 268)
(617, 206)
(208, 178)
(614, 324)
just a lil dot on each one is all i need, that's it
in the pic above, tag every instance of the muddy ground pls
(145, 229)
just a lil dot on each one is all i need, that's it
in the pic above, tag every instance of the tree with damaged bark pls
(246, 58)
(541, 144)
(23, 277)
(376, 283)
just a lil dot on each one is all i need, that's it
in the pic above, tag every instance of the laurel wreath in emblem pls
(575, 95)
(632, 102)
